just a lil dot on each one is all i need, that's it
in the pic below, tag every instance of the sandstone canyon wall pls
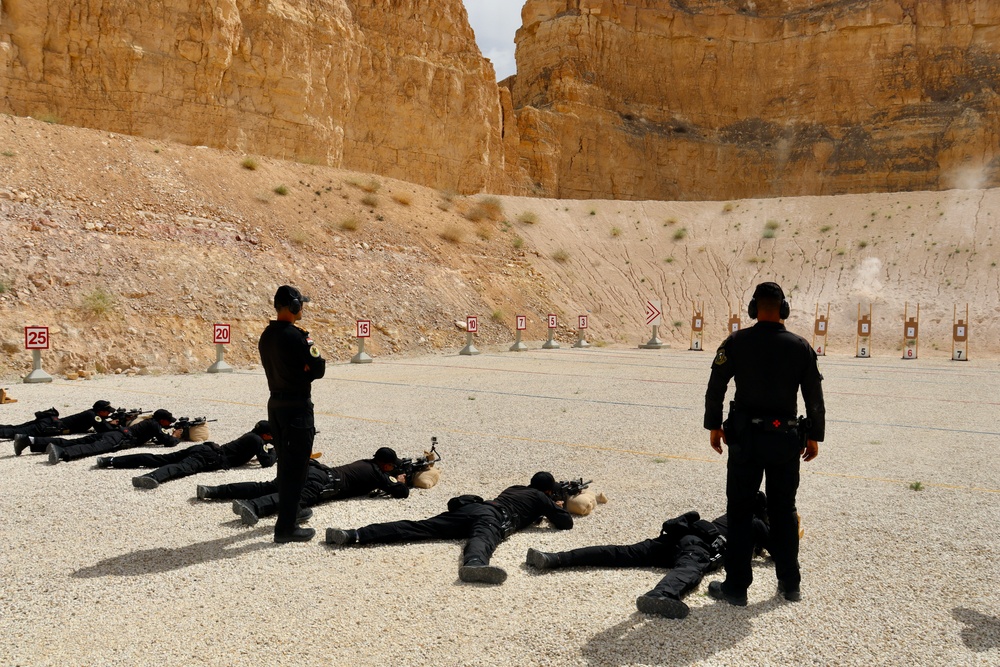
(394, 87)
(719, 99)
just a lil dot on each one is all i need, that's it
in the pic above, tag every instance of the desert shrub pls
(560, 256)
(402, 198)
(350, 224)
(616, 231)
(299, 237)
(453, 234)
(527, 217)
(249, 163)
(370, 200)
(97, 301)
(280, 190)
(489, 208)
(727, 207)
(518, 243)
(680, 234)
(497, 315)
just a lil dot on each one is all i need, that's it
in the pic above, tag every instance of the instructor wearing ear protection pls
(291, 362)
(764, 437)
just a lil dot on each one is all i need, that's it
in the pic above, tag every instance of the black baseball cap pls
(163, 415)
(101, 406)
(386, 455)
(543, 481)
(769, 291)
(262, 427)
(286, 294)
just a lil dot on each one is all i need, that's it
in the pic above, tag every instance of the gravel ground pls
(95, 572)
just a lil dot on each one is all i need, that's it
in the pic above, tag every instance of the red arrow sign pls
(654, 315)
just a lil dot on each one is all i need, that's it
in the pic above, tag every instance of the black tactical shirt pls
(291, 361)
(769, 363)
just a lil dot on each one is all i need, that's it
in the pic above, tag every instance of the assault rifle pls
(124, 416)
(410, 467)
(567, 489)
(188, 422)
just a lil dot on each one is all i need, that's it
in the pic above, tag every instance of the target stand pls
(820, 330)
(697, 327)
(911, 332)
(960, 336)
(863, 344)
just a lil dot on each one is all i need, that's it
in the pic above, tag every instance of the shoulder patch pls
(720, 357)
(314, 351)
(98, 419)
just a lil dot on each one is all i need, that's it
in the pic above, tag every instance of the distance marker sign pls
(36, 338)
(221, 334)
(364, 329)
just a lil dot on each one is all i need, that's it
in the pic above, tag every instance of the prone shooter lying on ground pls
(134, 435)
(253, 500)
(687, 544)
(206, 457)
(48, 423)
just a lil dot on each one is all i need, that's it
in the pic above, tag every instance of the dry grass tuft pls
(402, 198)
(453, 234)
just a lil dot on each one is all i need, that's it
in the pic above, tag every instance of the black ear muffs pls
(295, 306)
(783, 311)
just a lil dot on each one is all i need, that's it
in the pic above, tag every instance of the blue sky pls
(495, 22)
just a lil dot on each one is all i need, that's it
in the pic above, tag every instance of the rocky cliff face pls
(718, 99)
(396, 88)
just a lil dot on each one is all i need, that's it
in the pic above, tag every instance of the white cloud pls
(495, 22)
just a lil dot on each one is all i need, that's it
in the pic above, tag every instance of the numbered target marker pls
(697, 326)
(864, 337)
(820, 330)
(960, 335)
(364, 328)
(911, 332)
(551, 343)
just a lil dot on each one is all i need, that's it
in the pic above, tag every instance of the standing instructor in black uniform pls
(765, 440)
(291, 362)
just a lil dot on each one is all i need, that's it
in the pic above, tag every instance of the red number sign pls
(582, 322)
(472, 324)
(522, 322)
(36, 338)
(552, 322)
(364, 329)
(221, 334)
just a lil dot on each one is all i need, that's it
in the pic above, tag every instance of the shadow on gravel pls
(981, 632)
(647, 640)
(162, 559)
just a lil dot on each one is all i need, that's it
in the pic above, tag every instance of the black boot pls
(207, 492)
(297, 535)
(543, 560)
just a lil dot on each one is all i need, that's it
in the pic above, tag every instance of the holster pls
(736, 424)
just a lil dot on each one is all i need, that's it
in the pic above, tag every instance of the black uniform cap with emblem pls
(290, 298)
(102, 406)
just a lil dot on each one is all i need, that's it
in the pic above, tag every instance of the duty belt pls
(506, 521)
(775, 424)
(290, 396)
